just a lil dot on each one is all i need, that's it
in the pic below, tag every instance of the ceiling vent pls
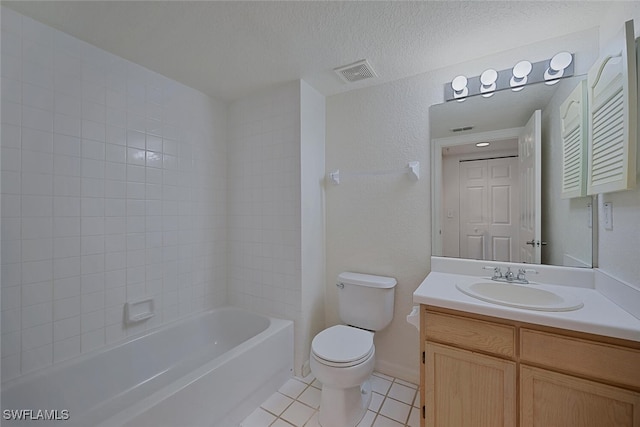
(357, 71)
(462, 129)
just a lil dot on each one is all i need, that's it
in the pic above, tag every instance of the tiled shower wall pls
(113, 189)
(264, 202)
(275, 173)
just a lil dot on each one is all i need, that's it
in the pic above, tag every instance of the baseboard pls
(411, 375)
(306, 369)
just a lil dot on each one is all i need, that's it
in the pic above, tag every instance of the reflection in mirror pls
(486, 204)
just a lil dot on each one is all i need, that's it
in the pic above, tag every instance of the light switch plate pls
(608, 216)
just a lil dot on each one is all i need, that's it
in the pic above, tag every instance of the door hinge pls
(423, 357)
(424, 413)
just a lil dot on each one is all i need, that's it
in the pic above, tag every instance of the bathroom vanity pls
(487, 364)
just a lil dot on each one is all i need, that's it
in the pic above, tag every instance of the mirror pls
(482, 199)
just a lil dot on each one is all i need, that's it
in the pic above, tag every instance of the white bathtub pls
(194, 372)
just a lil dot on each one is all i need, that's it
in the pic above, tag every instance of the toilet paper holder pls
(413, 318)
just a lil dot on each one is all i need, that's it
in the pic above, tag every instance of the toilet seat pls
(342, 346)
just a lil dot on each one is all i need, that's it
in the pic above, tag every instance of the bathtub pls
(199, 371)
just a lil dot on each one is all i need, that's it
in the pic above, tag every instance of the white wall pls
(382, 225)
(618, 251)
(113, 189)
(313, 264)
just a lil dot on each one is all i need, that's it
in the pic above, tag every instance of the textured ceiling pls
(229, 49)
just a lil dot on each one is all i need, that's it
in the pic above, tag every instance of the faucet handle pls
(522, 274)
(509, 274)
(496, 271)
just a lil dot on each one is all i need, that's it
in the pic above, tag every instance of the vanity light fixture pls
(520, 75)
(557, 65)
(488, 82)
(460, 89)
(482, 144)
(516, 78)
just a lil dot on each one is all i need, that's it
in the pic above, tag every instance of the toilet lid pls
(342, 344)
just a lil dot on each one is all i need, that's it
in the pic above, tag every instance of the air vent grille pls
(357, 71)
(462, 129)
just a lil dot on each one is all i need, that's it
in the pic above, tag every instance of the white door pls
(529, 153)
(473, 209)
(489, 209)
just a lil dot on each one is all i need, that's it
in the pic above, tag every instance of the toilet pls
(343, 356)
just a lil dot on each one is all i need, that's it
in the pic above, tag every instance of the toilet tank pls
(365, 300)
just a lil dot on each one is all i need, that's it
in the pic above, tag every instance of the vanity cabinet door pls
(553, 399)
(612, 95)
(465, 389)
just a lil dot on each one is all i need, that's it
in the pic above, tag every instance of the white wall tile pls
(93, 130)
(11, 279)
(11, 322)
(37, 97)
(71, 194)
(37, 74)
(12, 343)
(92, 321)
(93, 282)
(11, 21)
(69, 225)
(92, 340)
(12, 69)
(11, 365)
(68, 106)
(66, 267)
(37, 314)
(36, 358)
(66, 348)
(264, 165)
(66, 308)
(66, 145)
(37, 336)
(67, 287)
(66, 63)
(36, 31)
(35, 118)
(36, 249)
(67, 125)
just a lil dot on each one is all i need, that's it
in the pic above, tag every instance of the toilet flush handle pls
(340, 285)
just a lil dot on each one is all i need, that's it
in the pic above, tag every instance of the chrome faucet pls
(509, 276)
(497, 274)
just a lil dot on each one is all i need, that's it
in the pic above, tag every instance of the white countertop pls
(599, 315)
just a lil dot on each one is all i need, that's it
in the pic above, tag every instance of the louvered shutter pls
(612, 98)
(573, 119)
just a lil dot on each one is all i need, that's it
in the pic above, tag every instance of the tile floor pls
(394, 404)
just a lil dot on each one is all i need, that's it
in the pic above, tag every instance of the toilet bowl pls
(342, 359)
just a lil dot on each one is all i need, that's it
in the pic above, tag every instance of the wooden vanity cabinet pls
(481, 371)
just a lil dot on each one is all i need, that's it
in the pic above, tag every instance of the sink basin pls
(529, 297)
